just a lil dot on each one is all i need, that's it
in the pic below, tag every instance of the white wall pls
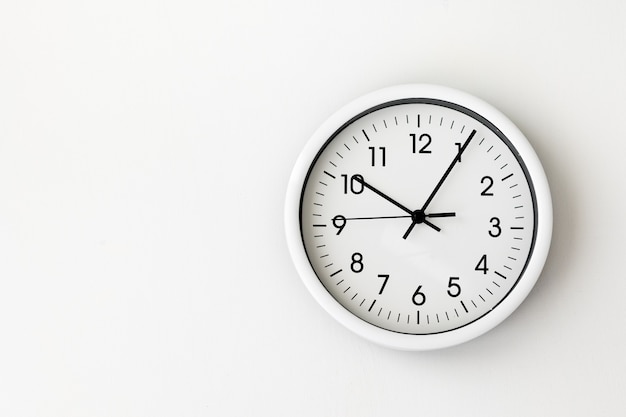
(145, 148)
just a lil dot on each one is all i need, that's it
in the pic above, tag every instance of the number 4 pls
(482, 265)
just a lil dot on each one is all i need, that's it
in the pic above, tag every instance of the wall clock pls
(418, 216)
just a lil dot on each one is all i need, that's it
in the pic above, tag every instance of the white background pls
(145, 148)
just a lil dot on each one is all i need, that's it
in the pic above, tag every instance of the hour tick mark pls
(370, 309)
(336, 272)
(464, 308)
(499, 274)
(507, 177)
(365, 134)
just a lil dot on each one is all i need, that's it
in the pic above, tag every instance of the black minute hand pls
(418, 218)
(456, 159)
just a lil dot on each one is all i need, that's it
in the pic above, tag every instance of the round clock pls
(418, 216)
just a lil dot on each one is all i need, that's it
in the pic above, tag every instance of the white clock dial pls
(423, 222)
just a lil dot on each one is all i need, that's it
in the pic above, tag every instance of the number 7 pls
(386, 277)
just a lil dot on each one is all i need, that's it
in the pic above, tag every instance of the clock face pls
(419, 217)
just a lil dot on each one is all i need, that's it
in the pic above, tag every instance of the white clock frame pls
(427, 341)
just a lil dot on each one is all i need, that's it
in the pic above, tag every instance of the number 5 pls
(454, 289)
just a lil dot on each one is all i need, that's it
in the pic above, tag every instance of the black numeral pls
(386, 278)
(454, 289)
(383, 160)
(482, 265)
(423, 137)
(339, 222)
(419, 298)
(357, 262)
(355, 187)
(487, 179)
(495, 230)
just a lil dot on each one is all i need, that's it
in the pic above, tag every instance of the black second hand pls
(401, 217)
(360, 179)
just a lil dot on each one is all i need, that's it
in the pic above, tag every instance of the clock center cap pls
(418, 216)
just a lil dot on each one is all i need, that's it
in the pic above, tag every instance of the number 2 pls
(489, 182)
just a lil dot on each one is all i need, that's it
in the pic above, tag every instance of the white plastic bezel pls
(411, 341)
